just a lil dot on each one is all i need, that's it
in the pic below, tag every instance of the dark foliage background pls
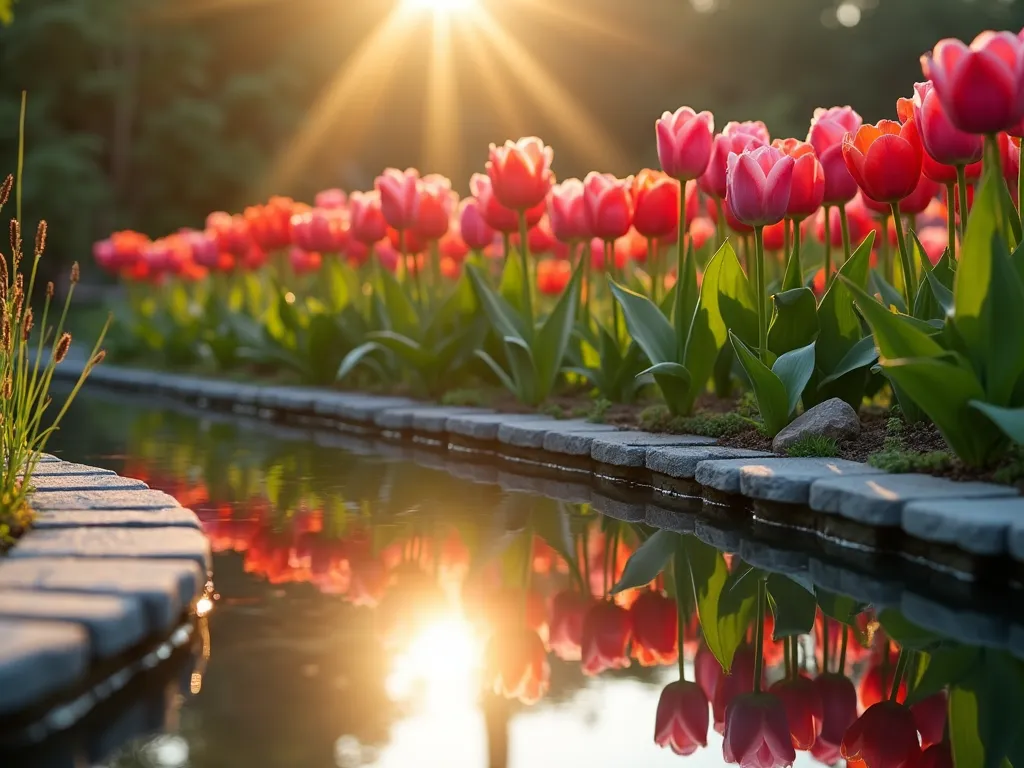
(150, 113)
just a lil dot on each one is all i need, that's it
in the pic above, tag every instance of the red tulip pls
(838, 709)
(565, 622)
(608, 205)
(682, 720)
(520, 173)
(982, 86)
(451, 269)
(655, 629)
(656, 197)
(944, 145)
(452, 246)
(270, 224)
(476, 232)
(740, 680)
(254, 258)
(606, 633)
(935, 756)
(802, 702)
(919, 200)
(1009, 150)
(552, 276)
(885, 159)
(883, 737)
(828, 127)
(875, 687)
(930, 716)
(232, 232)
(387, 255)
(413, 242)
(757, 733)
(496, 215)
(684, 142)
(707, 670)
(566, 211)
(759, 184)
(775, 237)
(357, 253)
(808, 190)
(331, 199)
(934, 240)
(367, 219)
(203, 248)
(399, 193)
(755, 129)
(518, 665)
(714, 180)
(434, 207)
(541, 238)
(701, 230)
(322, 230)
(304, 262)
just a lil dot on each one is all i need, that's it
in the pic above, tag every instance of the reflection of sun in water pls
(439, 666)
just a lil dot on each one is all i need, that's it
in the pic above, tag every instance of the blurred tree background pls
(150, 113)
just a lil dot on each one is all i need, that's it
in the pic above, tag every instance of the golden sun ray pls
(586, 25)
(487, 73)
(357, 88)
(442, 136)
(559, 106)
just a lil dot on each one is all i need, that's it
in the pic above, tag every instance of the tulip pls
(520, 173)
(714, 181)
(930, 717)
(885, 736)
(608, 205)
(368, 224)
(321, 230)
(566, 211)
(356, 252)
(232, 232)
(655, 629)
(808, 190)
(399, 194)
(804, 712)
(452, 246)
(1009, 152)
(838, 710)
(518, 665)
(739, 681)
(935, 756)
(922, 196)
(754, 129)
(203, 248)
(684, 143)
(775, 236)
(942, 141)
(270, 224)
(496, 215)
(433, 208)
(607, 629)
(701, 230)
(885, 160)
(734, 224)
(552, 276)
(981, 87)
(476, 232)
(757, 733)
(681, 723)
(828, 128)
(303, 262)
(707, 671)
(332, 199)
(565, 621)
(656, 200)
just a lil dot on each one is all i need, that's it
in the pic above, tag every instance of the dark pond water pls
(360, 591)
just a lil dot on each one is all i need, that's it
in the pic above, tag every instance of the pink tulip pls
(330, 198)
(367, 218)
(828, 127)
(566, 211)
(520, 173)
(755, 129)
(681, 723)
(919, 200)
(981, 87)
(498, 216)
(808, 190)
(608, 204)
(713, 182)
(476, 232)
(757, 732)
(759, 184)
(684, 142)
(435, 204)
(322, 230)
(399, 192)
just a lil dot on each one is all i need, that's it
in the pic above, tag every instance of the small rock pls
(834, 418)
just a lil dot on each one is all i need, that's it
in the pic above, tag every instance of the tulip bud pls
(566, 211)
(608, 204)
(520, 173)
(808, 190)
(368, 224)
(684, 143)
(759, 184)
(476, 232)
(889, 170)
(681, 723)
(399, 191)
(828, 127)
(757, 732)
(656, 198)
(885, 736)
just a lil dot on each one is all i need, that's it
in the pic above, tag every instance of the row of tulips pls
(774, 665)
(623, 285)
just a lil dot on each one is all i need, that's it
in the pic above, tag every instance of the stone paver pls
(287, 398)
(431, 418)
(630, 448)
(967, 626)
(63, 483)
(681, 462)
(789, 480)
(164, 588)
(365, 410)
(719, 538)
(879, 500)
(576, 444)
(38, 659)
(532, 434)
(668, 519)
(59, 468)
(845, 581)
(774, 559)
(115, 499)
(979, 527)
(159, 543)
(114, 623)
(722, 475)
(620, 510)
(485, 426)
(173, 517)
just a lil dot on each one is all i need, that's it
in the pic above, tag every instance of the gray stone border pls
(103, 587)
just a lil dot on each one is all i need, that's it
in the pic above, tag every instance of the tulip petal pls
(778, 187)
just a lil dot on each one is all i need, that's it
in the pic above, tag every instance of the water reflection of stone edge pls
(954, 571)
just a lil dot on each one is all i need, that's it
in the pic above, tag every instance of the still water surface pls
(358, 595)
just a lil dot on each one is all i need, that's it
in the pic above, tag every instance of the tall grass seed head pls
(63, 345)
(5, 189)
(40, 238)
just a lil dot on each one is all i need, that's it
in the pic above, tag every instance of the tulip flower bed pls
(701, 277)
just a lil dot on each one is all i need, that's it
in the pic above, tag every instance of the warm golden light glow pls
(439, 666)
(440, 6)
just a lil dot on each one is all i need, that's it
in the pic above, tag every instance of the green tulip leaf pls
(1009, 420)
(794, 322)
(647, 325)
(861, 355)
(891, 297)
(505, 320)
(794, 370)
(772, 397)
(498, 371)
(648, 561)
(897, 335)
(355, 357)
(552, 339)
(793, 607)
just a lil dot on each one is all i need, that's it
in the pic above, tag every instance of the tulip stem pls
(824, 644)
(842, 651)
(653, 267)
(588, 287)
(416, 285)
(524, 260)
(828, 248)
(1020, 182)
(719, 224)
(759, 634)
(681, 572)
(951, 218)
(585, 545)
(435, 266)
(762, 299)
(609, 266)
(908, 269)
(796, 254)
(844, 222)
(897, 677)
(785, 237)
(961, 186)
